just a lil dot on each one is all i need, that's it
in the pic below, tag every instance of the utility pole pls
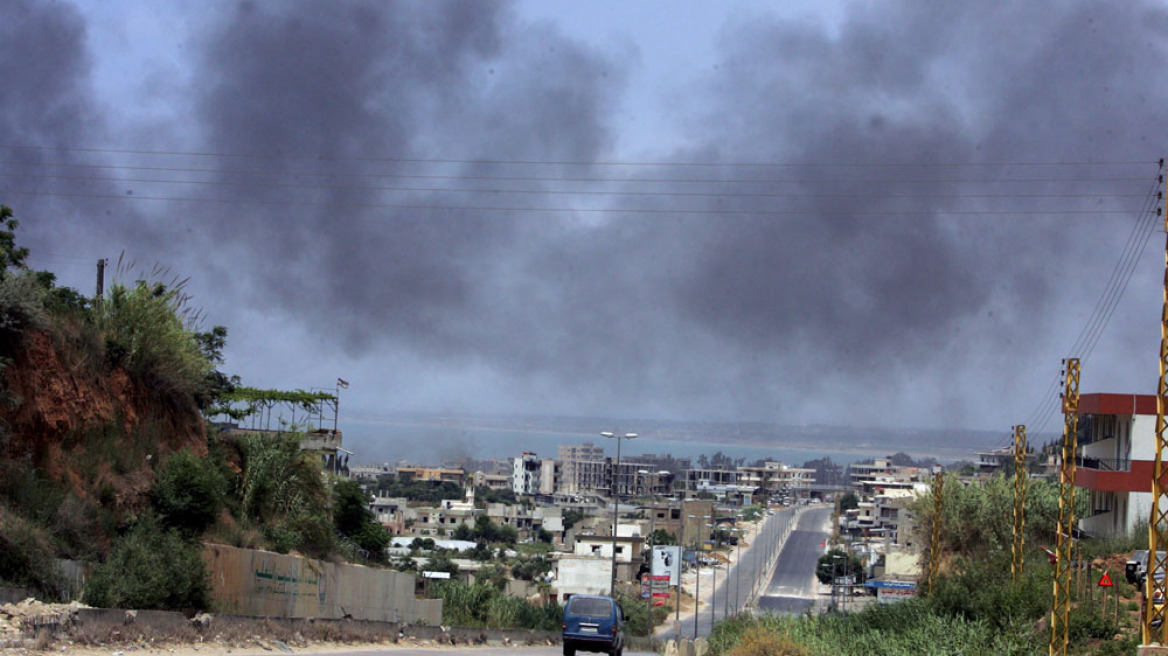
(1155, 622)
(938, 511)
(1020, 480)
(100, 282)
(1064, 536)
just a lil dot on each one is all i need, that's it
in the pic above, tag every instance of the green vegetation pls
(975, 608)
(485, 495)
(848, 502)
(661, 536)
(283, 492)
(150, 567)
(837, 562)
(484, 605)
(354, 520)
(430, 492)
(188, 493)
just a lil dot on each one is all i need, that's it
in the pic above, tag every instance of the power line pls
(423, 160)
(529, 178)
(666, 194)
(1139, 236)
(578, 210)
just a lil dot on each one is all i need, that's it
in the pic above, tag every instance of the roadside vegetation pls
(975, 607)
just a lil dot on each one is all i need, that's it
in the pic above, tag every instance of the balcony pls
(1104, 464)
(1106, 475)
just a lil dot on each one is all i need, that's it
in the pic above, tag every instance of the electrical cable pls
(529, 178)
(423, 160)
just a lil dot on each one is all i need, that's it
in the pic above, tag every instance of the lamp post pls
(737, 567)
(615, 505)
(680, 565)
(698, 577)
(714, 585)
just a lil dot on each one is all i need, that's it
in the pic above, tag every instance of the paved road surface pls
(793, 587)
(432, 651)
(738, 584)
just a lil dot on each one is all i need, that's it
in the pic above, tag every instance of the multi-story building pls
(867, 476)
(698, 479)
(492, 481)
(584, 469)
(551, 476)
(637, 479)
(776, 477)
(371, 473)
(525, 473)
(1117, 452)
(431, 474)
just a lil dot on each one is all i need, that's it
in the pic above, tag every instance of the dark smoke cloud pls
(871, 308)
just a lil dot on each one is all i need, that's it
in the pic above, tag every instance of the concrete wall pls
(249, 582)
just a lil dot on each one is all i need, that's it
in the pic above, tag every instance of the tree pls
(848, 502)
(11, 256)
(188, 493)
(837, 562)
(571, 517)
(350, 507)
(463, 532)
(661, 536)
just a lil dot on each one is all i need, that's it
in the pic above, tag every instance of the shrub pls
(151, 567)
(148, 331)
(188, 493)
(22, 305)
(761, 641)
(26, 557)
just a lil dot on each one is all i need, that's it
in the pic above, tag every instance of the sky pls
(894, 214)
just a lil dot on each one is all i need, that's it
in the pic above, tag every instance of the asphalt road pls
(431, 651)
(735, 587)
(793, 588)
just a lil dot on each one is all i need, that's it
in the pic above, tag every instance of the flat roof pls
(1104, 403)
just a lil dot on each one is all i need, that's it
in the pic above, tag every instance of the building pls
(370, 473)
(492, 481)
(551, 476)
(584, 469)
(525, 473)
(776, 477)
(698, 479)
(431, 474)
(1117, 451)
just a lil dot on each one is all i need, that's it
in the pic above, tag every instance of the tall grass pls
(484, 605)
(149, 329)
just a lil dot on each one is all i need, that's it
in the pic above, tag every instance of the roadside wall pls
(251, 582)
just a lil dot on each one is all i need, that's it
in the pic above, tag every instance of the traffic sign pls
(1105, 581)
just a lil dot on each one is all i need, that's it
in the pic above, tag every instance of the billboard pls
(666, 564)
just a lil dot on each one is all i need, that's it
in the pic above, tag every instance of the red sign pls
(1105, 581)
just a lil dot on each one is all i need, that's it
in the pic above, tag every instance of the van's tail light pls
(565, 626)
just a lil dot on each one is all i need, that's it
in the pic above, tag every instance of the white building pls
(526, 473)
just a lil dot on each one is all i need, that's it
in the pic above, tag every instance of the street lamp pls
(615, 506)
(698, 578)
(737, 567)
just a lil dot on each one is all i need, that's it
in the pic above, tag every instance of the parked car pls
(1136, 568)
(594, 623)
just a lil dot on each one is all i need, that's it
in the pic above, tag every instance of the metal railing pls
(1104, 464)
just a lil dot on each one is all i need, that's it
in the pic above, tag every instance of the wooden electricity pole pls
(1064, 540)
(1020, 479)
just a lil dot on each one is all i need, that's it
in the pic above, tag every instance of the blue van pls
(594, 623)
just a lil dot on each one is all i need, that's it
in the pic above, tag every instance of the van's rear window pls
(589, 607)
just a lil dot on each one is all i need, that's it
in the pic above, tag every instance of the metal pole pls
(615, 506)
(737, 567)
(697, 594)
(681, 564)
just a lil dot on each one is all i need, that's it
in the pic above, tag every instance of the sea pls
(380, 441)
